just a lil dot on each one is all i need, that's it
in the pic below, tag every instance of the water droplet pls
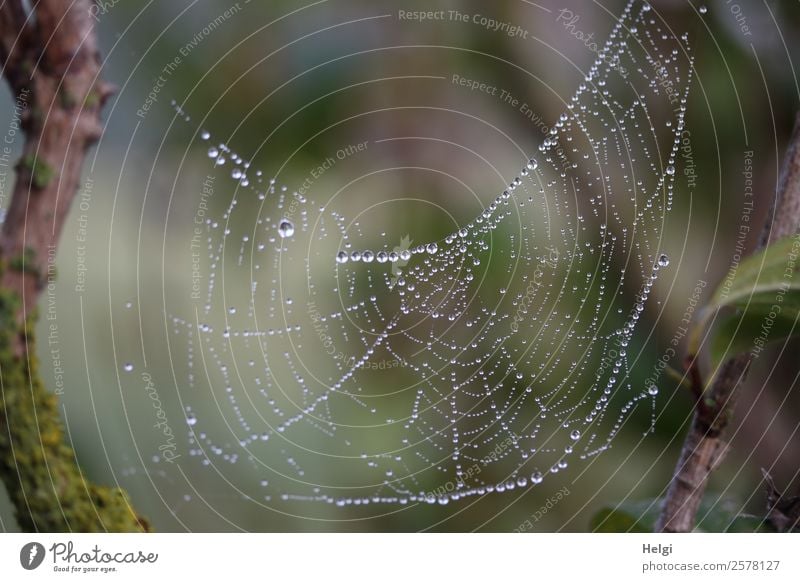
(670, 170)
(653, 390)
(285, 228)
(575, 435)
(537, 478)
(128, 367)
(663, 261)
(432, 248)
(342, 257)
(703, 9)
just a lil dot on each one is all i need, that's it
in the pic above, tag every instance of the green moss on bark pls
(25, 263)
(41, 172)
(38, 469)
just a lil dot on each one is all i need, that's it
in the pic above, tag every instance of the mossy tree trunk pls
(49, 57)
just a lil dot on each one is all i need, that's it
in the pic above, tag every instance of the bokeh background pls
(296, 82)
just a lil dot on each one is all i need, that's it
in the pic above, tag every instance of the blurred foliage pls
(761, 300)
(714, 516)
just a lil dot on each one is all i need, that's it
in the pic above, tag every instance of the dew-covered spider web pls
(350, 369)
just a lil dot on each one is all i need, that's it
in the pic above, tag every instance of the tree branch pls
(705, 445)
(50, 58)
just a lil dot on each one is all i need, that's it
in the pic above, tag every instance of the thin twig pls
(50, 59)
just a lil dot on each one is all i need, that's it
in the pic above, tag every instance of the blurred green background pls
(335, 60)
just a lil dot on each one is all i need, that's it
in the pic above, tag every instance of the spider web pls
(349, 373)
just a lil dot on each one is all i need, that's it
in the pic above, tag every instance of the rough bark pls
(706, 444)
(51, 61)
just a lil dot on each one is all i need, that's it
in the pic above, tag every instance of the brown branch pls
(50, 58)
(705, 445)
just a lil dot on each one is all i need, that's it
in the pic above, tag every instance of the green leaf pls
(746, 330)
(759, 304)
